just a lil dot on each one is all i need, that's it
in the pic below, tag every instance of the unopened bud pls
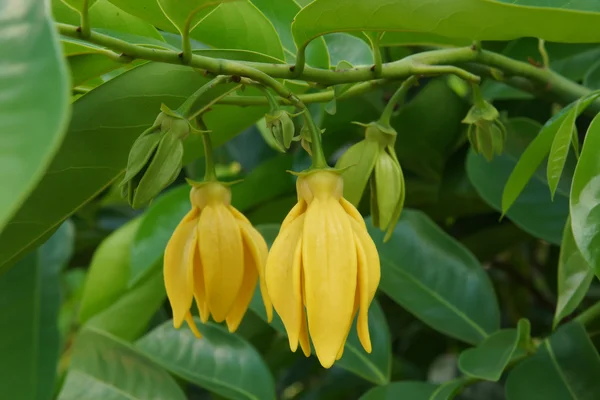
(486, 133)
(281, 126)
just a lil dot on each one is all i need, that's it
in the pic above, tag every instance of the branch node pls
(292, 68)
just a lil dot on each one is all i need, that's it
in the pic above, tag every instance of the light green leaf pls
(585, 198)
(489, 359)
(111, 116)
(349, 48)
(29, 305)
(452, 295)
(574, 276)
(374, 367)
(220, 362)
(148, 11)
(566, 366)
(401, 390)
(467, 19)
(34, 100)
(186, 14)
(421, 39)
(533, 211)
(108, 273)
(106, 368)
(281, 13)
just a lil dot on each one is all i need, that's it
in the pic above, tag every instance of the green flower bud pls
(486, 133)
(282, 128)
(155, 158)
(387, 189)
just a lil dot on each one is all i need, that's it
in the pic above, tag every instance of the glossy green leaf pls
(85, 67)
(401, 390)
(560, 149)
(186, 14)
(374, 367)
(349, 48)
(29, 305)
(566, 366)
(33, 72)
(468, 19)
(592, 77)
(585, 198)
(436, 279)
(111, 116)
(163, 216)
(574, 276)
(78, 5)
(489, 359)
(220, 362)
(533, 210)
(420, 39)
(148, 11)
(281, 13)
(104, 367)
(448, 390)
(108, 273)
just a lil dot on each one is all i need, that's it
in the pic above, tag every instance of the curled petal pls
(178, 267)
(283, 278)
(362, 323)
(372, 258)
(330, 272)
(200, 287)
(295, 212)
(190, 321)
(235, 315)
(256, 247)
(222, 258)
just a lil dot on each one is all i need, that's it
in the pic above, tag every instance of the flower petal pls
(222, 257)
(295, 212)
(255, 244)
(190, 321)
(200, 287)
(353, 212)
(330, 272)
(178, 267)
(362, 323)
(235, 315)
(303, 337)
(283, 278)
(372, 257)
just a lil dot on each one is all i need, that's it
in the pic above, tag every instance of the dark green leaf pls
(435, 278)
(560, 149)
(574, 276)
(489, 359)
(29, 305)
(104, 367)
(34, 100)
(401, 390)
(592, 77)
(566, 366)
(221, 362)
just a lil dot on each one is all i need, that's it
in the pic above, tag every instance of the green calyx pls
(486, 132)
(280, 124)
(155, 159)
(383, 134)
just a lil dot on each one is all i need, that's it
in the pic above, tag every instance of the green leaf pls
(420, 39)
(401, 390)
(489, 359)
(585, 198)
(349, 48)
(281, 13)
(29, 305)
(220, 362)
(374, 367)
(592, 77)
(468, 19)
(111, 116)
(574, 276)
(452, 294)
(448, 390)
(108, 273)
(560, 149)
(160, 220)
(533, 211)
(566, 366)
(104, 367)
(148, 11)
(34, 100)
(186, 14)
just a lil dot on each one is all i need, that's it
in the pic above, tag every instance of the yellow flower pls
(215, 256)
(323, 267)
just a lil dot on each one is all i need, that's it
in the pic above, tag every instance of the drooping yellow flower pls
(322, 269)
(215, 256)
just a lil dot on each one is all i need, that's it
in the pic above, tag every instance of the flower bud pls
(281, 126)
(486, 133)
(387, 191)
(155, 158)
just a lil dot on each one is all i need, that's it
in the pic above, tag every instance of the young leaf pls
(574, 276)
(560, 149)
(585, 198)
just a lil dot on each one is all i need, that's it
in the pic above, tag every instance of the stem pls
(318, 157)
(589, 315)
(377, 63)
(185, 108)
(543, 53)
(477, 97)
(214, 101)
(86, 28)
(273, 104)
(209, 173)
(396, 98)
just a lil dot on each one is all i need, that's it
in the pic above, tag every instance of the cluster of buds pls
(373, 160)
(155, 158)
(486, 133)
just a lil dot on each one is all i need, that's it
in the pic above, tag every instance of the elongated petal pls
(178, 267)
(304, 340)
(362, 323)
(283, 278)
(353, 212)
(295, 212)
(372, 258)
(245, 294)
(257, 248)
(192, 325)
(237, 214)
(200, 287)
(330, 268)
(222, 257)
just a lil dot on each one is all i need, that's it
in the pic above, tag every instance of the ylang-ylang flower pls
(323, 269)
(215, 256)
